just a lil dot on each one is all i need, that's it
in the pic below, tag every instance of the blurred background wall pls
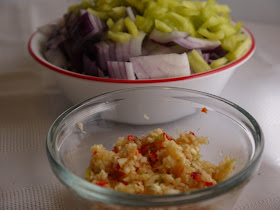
(265, 11)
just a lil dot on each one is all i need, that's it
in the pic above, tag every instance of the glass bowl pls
(101, 120)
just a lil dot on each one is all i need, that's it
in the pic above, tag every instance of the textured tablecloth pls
(29, 104)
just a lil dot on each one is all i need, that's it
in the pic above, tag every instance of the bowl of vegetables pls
(100, 46)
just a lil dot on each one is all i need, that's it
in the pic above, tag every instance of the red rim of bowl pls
(101, 79)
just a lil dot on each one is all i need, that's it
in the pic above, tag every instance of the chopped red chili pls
(94, 153)
(115, 150)
(196, 176)
(145, 148)
(208, 184)
(192, 133)
(131, 138)
(193, 174)
(101, 183)
(153, 156)
(166, 136)
(204, 110)
(121, 172)
(117, 173)
(125, 183)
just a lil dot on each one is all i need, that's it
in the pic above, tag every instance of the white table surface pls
(29, 104)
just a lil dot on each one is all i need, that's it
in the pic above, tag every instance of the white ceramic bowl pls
(78, 87)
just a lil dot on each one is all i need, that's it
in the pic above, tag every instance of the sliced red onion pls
(139, 68)
(66, 48)
(112, 49)
(178, 49)
(122, 51)
(90, 67)
(77, 61)
(161, 66)
(129, 71)
(118, 51)
(199, 51)
(151, 48)
(120, 70)
(56, 36)
(217, 53)
(82, 12)
(56, 57)
(88, 26)
(136, 44)
(197, 43)
(131, 13)
(106, 53)
(126, 51)
(166, 38)
(113, 69)
(100, 73)
(206, 57)
(101, 61)
(116, 69)
(70, 20)
(101, 26)
(110, 69)
(55, 41)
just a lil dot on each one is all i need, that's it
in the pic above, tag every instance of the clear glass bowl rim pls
(99, 194)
